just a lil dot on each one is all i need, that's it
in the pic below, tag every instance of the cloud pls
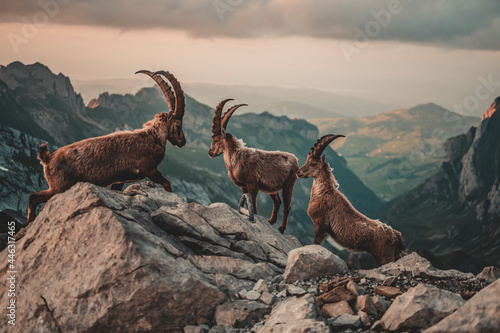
(454, 23)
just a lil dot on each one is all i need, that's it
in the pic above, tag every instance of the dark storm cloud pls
(455, 23)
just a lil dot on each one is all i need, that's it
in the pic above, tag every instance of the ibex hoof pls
(281, 229)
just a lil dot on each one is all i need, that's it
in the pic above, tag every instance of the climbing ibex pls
(334, 215)
(254, 170)
(116, 158)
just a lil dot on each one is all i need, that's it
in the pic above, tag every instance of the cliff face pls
(49, 101)
(458, 209)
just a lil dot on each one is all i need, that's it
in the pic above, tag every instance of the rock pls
(336, 295)
(365, 318)
(243, 293)
(420, 307)
(414, 263)
(355, 289)
(390, 292)
(372, 274)
(380, 303)
(364, 303)
(118, 248)
(390, 281)
(294, 290)
(260, 286)
(295, 315)
(489, 274)
(312, 290)
(346, 320)
(336, 309)
(217, 329)
(239, 313)
(479, 314)
(253, 295)
(282, 293)
(312, 261)
(193, 329)
(267, 298)
(334, 283)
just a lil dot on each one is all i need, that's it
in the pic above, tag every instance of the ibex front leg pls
(158, 178)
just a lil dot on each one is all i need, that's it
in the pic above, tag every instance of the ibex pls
(116, 158)
(254, 170)
(334, 215)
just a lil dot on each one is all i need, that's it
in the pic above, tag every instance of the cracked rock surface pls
(140, 260)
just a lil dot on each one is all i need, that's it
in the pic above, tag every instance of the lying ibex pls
(116, 158)
(334, 215)
(254, 169)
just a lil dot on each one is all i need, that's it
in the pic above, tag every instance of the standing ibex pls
(334, 215)
(116, 158)
(254, 169)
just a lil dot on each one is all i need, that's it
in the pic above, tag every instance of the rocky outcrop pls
(480, 314)
(464, 196)
(142, 260)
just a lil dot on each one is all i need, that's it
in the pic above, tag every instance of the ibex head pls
(171, 121)
(314, 159)
(219, 125)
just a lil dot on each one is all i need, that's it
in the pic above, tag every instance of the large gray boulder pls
(480, 314)
(420, 307)
(312, 261)
(140, 260)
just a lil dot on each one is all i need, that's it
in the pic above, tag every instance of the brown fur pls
(112, 159)
(255, 170)
(334, 215)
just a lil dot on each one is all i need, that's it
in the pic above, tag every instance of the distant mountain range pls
(305, 103)
(395, 151)
(56, 113)
(454, 215)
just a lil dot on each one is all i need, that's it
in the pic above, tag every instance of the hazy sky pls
(404, 52)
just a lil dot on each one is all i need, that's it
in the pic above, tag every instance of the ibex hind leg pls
(287, 193)
(276, 207)
(158, 178)
(37, 198)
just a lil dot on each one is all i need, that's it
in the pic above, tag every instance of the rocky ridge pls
(145, 260)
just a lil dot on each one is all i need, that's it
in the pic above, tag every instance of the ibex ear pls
(323, 158)
(223, 132)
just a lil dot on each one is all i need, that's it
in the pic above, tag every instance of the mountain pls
(455, 214)
(394, 152)
(190, 170)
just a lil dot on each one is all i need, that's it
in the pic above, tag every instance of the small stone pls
(312, 290)
(346, 320)
(489, 274)
(355, 289)
(205, 327)
(364, 303)
(381, 304)
(334, 283)
(243, 293)
(232, 330)
(193, 329)
(267, 298)
(217, 329)
(294, 290)
(365, 318)
(260, 286)
(253, 295)
(362, 281)
(336, 295)
(282, 293)
(240, 312)
(282, 285)
(415, 272)
(390, 292)
(372, 274)
(334, 310)
(390, 281)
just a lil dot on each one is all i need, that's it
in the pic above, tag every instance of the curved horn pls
(216, 121)
(165, 88)
(179, 94)
(228, 115)
(322, 143)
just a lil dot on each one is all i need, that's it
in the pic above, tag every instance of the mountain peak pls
(492, 109)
